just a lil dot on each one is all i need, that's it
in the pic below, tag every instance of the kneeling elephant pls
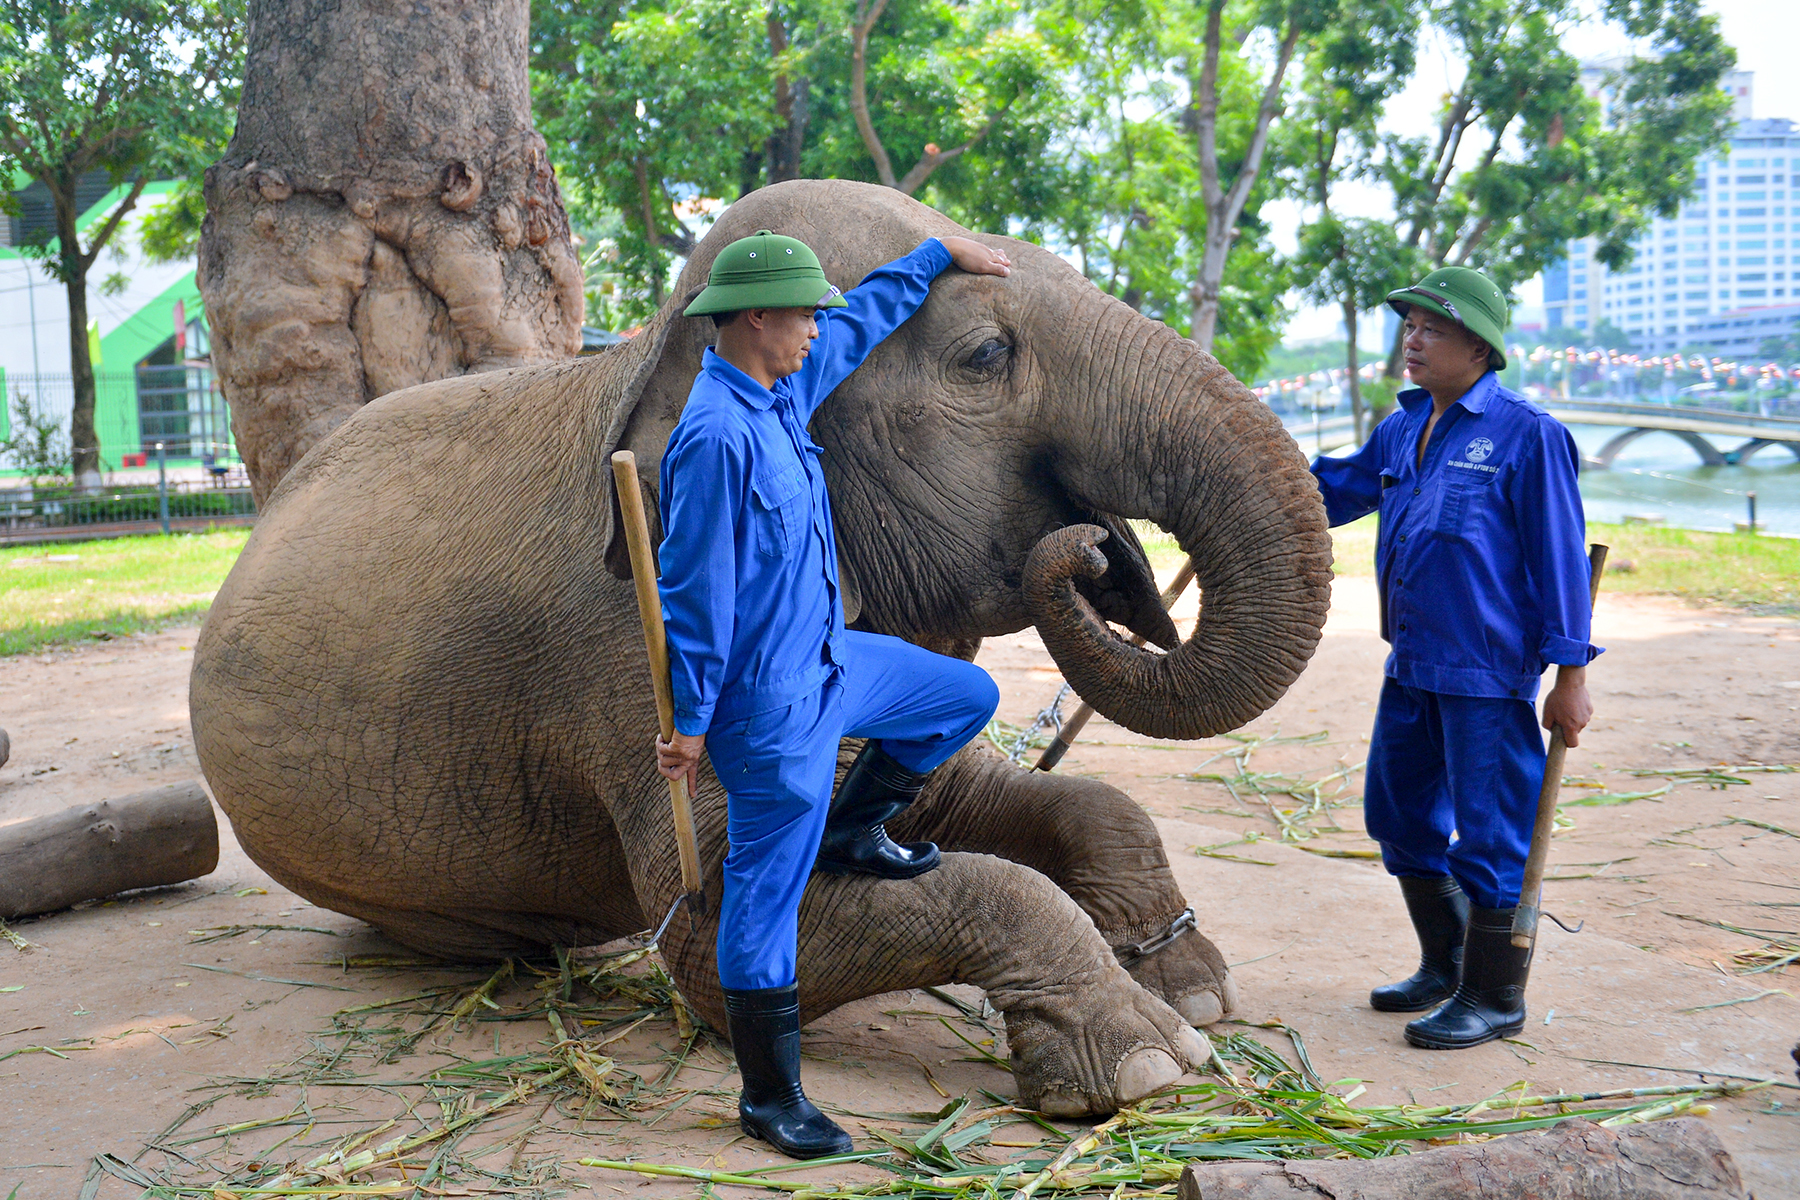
(422, 697)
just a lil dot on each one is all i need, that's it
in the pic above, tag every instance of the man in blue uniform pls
(1484, 582)
(766, 678)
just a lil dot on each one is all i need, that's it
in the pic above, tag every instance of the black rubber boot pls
(765, 1035)
(1490, 1002)
(1440, 915)
(876, 790)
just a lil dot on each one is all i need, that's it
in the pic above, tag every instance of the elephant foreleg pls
(1092, 841)
(1083, 1036)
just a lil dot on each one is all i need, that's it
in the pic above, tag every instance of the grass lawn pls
(55, 593)
(1760, 573)
(59, 593)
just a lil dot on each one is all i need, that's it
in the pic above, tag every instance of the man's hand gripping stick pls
(643, 575)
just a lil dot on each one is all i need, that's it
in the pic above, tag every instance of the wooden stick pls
(656, 643)
(1525, 916)
(1071, 728)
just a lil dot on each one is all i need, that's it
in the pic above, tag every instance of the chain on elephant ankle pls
(1129, 956)
(1050, 718)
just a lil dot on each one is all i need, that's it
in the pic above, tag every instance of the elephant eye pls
(989, 358)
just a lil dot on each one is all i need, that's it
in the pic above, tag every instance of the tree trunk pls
(386, 215)
(149, 839)
(1577, 1160)
(791, 96)
(1352, 367)
(83, 439)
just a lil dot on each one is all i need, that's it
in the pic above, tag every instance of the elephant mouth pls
(1125, 592)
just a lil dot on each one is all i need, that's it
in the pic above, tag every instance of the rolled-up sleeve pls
(874, 308)
(1351, 485)
(1546, 503)
(702, 495)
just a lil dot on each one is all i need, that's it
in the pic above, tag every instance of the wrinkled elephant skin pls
(422, 698)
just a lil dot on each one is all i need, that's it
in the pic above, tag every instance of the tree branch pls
(1259, 140)
(933, 158)
(1206, 108)
(866, 16)
(98, 242)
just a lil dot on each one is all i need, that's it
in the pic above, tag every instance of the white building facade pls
(1733, 248)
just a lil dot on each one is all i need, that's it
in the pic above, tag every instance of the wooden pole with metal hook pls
(643, 575)
(1525, 916)
(1071, 728)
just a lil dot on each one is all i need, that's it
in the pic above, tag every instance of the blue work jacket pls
(749, 555)
(1481, 558)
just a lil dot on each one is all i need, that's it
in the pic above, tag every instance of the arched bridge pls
(1703, 429)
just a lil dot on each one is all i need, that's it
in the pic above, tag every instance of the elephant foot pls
(1093, 1050)
(1188, 972)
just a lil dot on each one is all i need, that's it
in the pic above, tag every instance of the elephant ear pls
(655, 373)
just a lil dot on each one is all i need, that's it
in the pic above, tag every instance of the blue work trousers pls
(778, 768)
(1452, 788)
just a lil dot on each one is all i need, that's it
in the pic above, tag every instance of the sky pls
(1766, 34)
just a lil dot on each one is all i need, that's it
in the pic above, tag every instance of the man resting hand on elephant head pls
(766, 677)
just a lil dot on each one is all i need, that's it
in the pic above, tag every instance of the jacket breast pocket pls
(778, 510)
(1466, 496)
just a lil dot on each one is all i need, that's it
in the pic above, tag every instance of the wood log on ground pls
(1576, 1160)
(148, 839)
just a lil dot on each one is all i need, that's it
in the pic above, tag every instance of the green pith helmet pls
(765, 270)
(1467, 297)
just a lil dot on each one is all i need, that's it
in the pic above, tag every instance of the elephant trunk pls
(1206, 460)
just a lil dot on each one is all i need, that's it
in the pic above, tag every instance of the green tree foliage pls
(36, 443)
(139, 89)
(1523, 158)
(1359, 63)
(1153, 115)
(653, 105)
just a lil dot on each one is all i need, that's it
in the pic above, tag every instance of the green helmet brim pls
(811, 290)
(1475, 322)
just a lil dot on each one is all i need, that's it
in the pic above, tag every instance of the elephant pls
(422, 696)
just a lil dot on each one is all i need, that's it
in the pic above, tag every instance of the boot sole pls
(1424, 1006)
(795, 1152)
(838, 868)
(1493, 1035)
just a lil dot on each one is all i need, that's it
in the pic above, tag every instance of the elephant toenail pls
(1058, 1103)
(1144, 1071)
(1194, 1047)
(1200, 1008)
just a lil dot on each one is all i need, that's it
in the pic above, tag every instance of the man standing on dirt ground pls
(766, 678)
(1483, 579)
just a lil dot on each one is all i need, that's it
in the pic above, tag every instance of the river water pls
(1658, 475)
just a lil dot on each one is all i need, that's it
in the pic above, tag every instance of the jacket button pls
(1403, 537)
(1415, 491)
(1403, 627)
(1399, 583)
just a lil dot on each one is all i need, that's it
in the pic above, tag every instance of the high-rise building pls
(1726, 251)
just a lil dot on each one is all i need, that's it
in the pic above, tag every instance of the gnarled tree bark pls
(386, 215)
(1577, 1160)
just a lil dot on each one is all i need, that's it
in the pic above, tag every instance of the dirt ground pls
(119, 1019)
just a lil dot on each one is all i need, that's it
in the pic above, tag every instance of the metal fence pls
(177, 405)
(63, 513)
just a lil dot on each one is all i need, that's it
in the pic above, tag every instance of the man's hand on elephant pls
(682, 758)
(1568, 707)
(976, 258)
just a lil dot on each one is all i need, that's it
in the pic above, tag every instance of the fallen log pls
(162, 836)
(1576, 1160)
